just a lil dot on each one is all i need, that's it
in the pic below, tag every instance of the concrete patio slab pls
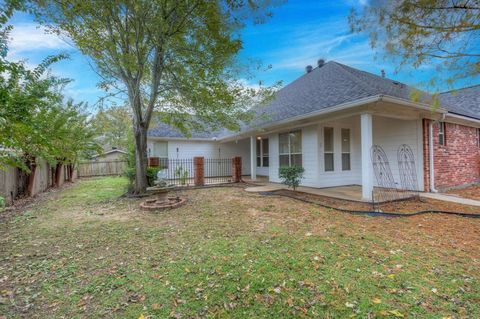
(352, 192)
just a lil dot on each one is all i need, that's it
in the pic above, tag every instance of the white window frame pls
(478, 137)
(349, 149)
(290, 147)
(261, 154)
(441, 132)
(329, 152)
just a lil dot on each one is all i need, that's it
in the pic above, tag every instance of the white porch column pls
(253, 158)
(366, 131)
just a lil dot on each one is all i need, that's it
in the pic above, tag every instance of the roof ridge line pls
(354, 77)
(464, 88)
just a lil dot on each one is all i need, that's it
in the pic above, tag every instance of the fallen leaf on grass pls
(396, 313)
(377, 300)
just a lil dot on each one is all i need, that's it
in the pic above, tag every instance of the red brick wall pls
(458, 162)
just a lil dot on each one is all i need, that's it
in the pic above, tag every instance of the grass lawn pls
(85, 253)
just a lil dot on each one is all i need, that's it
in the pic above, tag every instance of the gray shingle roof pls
(463, 101)
(167, 131)
(328, 86)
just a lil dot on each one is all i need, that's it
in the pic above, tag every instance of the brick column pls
(153, 162)
(237, 169)
(198, 171)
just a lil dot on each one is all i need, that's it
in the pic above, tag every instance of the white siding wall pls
(388, 133)
(274, 159)
(338, 177)
(310, 155)
(187, 149)
(391, 133)
(313, 157)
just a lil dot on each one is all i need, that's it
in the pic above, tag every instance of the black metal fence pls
(181, 172)
(218, 170)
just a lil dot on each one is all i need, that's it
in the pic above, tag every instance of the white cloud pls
(330, 40)
(29, 37)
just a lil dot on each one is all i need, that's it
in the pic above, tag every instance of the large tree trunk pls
(141, 182)
(58, 174)
(32, 165)
(70, 172)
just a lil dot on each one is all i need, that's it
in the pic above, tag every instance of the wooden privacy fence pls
(101, 168)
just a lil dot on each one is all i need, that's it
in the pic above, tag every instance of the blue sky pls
(298, 34)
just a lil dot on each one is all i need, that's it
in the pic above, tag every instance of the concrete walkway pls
(451, 198)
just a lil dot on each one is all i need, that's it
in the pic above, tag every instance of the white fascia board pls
(462, 120)
(166, 139)
(339, 107)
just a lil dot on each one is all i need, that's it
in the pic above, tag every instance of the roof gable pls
(464, 101)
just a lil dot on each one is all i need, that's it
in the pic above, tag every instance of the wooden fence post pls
(237, 169)
(198, 171)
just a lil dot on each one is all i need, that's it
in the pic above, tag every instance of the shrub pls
(182, 174)
(152, 175)
(2, 203)
(130, 170)
(291, 175)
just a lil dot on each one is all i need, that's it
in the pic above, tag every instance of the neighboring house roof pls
(464, 101)
(328, 86)
(109, 152)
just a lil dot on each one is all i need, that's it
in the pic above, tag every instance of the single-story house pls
(327, 121)
(114, 154)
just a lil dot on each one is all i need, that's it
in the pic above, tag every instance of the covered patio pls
(350, 192)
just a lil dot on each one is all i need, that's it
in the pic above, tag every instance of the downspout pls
(431, 157)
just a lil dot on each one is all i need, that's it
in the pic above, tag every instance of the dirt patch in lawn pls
(409, 206)
(472, 192)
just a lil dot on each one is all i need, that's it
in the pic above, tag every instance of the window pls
(290, 148)
(265, 152)
(262, 152)
(478, 137)
(441, 134)
(160, 149)
(345, 149)
(328, 148)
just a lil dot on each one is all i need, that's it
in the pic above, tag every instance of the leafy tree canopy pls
(175, 56)
(35, 122)
(443, 33)
(113, 127)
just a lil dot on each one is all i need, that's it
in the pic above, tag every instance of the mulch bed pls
(405, 206)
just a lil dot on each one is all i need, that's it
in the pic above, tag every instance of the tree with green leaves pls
(443, 33)
(35, 122)
(26, 98)
(113, 127)
(72, 136)
(175, 56)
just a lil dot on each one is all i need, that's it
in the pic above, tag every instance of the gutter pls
(431, 158)
(463, 118)
(339, 107)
